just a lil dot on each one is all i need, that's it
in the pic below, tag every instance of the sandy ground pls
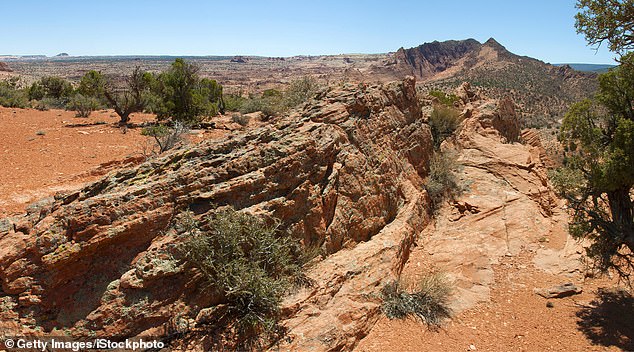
(43, 152)
(517, 319)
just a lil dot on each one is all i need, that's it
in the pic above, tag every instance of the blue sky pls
(543, 29)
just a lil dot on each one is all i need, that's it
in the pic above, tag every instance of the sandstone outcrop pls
(344, 173)
(506, 208)
(431, 58)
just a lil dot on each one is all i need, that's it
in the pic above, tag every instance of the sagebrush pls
(250, 263)
(442, 183)
(429, 300)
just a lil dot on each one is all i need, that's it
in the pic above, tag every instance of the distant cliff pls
(542, 91)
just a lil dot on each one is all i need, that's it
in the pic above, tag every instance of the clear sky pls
(543, 29)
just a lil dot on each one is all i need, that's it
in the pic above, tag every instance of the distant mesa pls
(4, 67)
(62, 55)
(239, 59)
(598, 68)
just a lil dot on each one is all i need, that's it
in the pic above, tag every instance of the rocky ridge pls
(506, 213)
(344, 173)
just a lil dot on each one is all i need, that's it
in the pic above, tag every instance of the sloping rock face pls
(507, 208)
(344, 173)
(542, 91)
(430, 58)
(4, 67)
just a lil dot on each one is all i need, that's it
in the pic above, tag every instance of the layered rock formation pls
(428, 59)
(345, 173)
(506, 208)
(542, 91)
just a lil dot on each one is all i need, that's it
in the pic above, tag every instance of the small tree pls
(93, 84)
(183, 96)
(128, 99)
(598, 136)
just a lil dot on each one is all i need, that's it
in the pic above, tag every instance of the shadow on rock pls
(609, 320)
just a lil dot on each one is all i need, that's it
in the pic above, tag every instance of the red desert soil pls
(517, 319)
(42, 152)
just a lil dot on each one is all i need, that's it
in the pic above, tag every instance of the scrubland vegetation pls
(250, 263)
(176, 94)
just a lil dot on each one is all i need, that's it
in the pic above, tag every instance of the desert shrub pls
(233, 102)
(300, 90)
(249, 262)
(269, 105)
(166, 137)
(55, 90)
(93, 84)
(444, 98)
(36, 91)
(11, 96)
(240, 119)
(49, 93)
(443, 122)
(429, 301)
(273, 102)
(183, 95)
(83, 105)
(441, 183)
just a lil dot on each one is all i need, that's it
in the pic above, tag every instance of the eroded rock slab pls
(344, 173)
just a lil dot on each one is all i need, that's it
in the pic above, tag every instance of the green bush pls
(441, 183)
(182, 95)
(51, 87)
(93, 84)
(166, 137)
(83, 105)
(269, 105)
(300, 90)
(11, 96)
(247, 261)
(51, 92)
(444, 98)
(429, 301)
(273, 102)
(443, 122)
(234, 102)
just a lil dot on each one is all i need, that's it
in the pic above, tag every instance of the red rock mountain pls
(542, 91)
